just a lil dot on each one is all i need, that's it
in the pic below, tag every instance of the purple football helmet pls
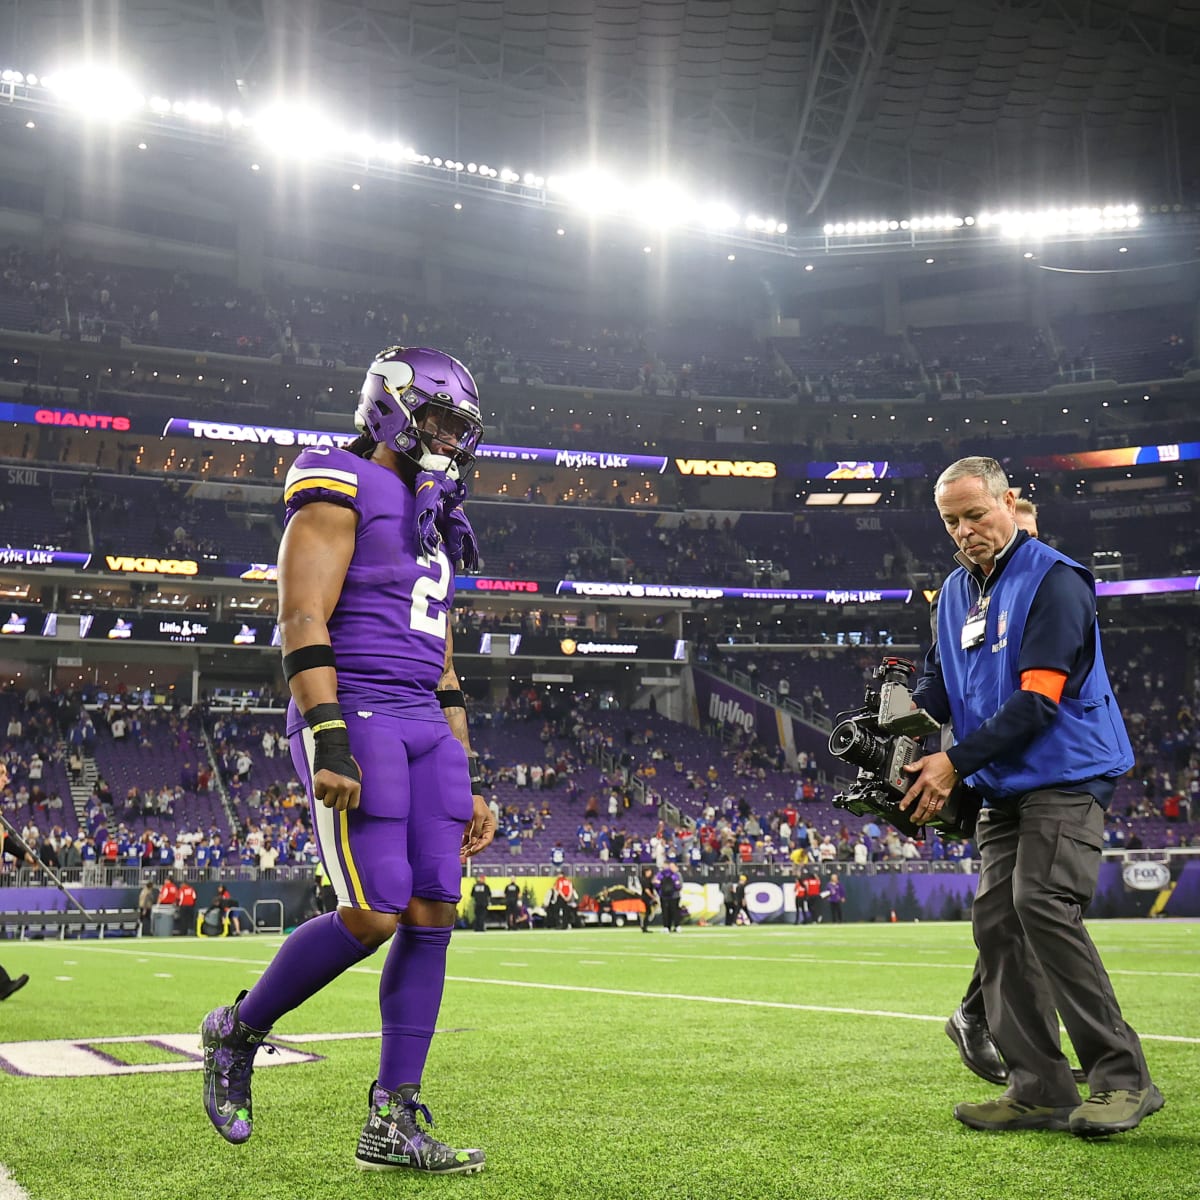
(422, 404)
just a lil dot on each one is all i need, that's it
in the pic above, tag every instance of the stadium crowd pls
(568, 783)
(49, 292)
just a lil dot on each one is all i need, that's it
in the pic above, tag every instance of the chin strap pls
(441, 521)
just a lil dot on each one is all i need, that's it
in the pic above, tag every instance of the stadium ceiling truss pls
(803, 103)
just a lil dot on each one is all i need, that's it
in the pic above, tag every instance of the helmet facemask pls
(422, 404)
(447, 438)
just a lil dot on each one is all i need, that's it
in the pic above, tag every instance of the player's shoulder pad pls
(325, 469)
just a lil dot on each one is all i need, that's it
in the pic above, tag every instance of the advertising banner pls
(676, 591)
(67, 418)
(12, 557)
(864, 470)
(719, 702)
(189, 630)
(1117, 456)
(583, 645)
(576, 460)
(26, 620)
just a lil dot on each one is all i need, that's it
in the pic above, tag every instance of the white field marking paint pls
(514, 964)
(594, 962)
(162, 975)
(10, 1189)
(806, 959)
(732, 1001)
(77, 1057)
(63, 978)
(743, 1003)
(684, 957)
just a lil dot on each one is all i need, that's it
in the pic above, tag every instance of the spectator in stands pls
(1031, 899)
(69, 857)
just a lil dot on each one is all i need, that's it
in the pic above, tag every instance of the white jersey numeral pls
(427, 589)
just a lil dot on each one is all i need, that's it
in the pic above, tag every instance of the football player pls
(378, 732)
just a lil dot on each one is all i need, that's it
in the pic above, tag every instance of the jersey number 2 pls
(429, 589)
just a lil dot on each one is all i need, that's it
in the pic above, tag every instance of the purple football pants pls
(403, 839)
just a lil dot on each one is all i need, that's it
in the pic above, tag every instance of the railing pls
(761, 691)
(222, 791)
(94, 875)
(136, 876)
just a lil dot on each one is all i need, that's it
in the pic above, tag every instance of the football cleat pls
(393, 1139)
(229, 1050)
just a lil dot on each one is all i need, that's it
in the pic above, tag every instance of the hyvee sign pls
(722, 703)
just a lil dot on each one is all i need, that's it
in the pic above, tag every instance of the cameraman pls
(967, 1026)
(1018, 670)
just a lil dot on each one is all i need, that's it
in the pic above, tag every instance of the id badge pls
(974, 629)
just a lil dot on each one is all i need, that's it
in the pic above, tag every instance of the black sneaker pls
(392, 1140)
(229, 1049)
(1115, 1112)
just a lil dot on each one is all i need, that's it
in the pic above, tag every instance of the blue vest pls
(1087, 739)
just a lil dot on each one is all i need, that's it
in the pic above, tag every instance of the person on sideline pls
(378, 732)
(1018, 670)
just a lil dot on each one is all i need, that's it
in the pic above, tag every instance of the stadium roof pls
(817, 106)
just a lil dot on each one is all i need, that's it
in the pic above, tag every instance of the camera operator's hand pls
(935, 780)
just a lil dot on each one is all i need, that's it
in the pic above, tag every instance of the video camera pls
(881, 739)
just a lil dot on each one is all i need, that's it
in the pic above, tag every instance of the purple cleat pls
(229, 1049)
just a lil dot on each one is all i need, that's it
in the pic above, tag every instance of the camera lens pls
(853, 744)
(896, 670)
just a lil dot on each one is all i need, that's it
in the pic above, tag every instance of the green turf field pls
(748, 1062)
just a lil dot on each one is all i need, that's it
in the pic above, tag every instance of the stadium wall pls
(1170, 888)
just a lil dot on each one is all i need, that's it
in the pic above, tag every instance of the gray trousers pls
(972, 1004)
(1041, 859)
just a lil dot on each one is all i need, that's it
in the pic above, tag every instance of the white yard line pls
(10, 1189)
(732, 1001)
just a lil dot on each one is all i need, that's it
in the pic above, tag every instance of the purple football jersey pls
(388, 629)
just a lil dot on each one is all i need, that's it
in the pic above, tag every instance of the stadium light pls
(100, 93)
(1041, 223)
(296, 131)
(300, 131)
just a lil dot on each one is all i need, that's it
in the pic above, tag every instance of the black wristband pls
(307, 657)
(451, 698)
(476, 773)
(321, 717)
(331, 739)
